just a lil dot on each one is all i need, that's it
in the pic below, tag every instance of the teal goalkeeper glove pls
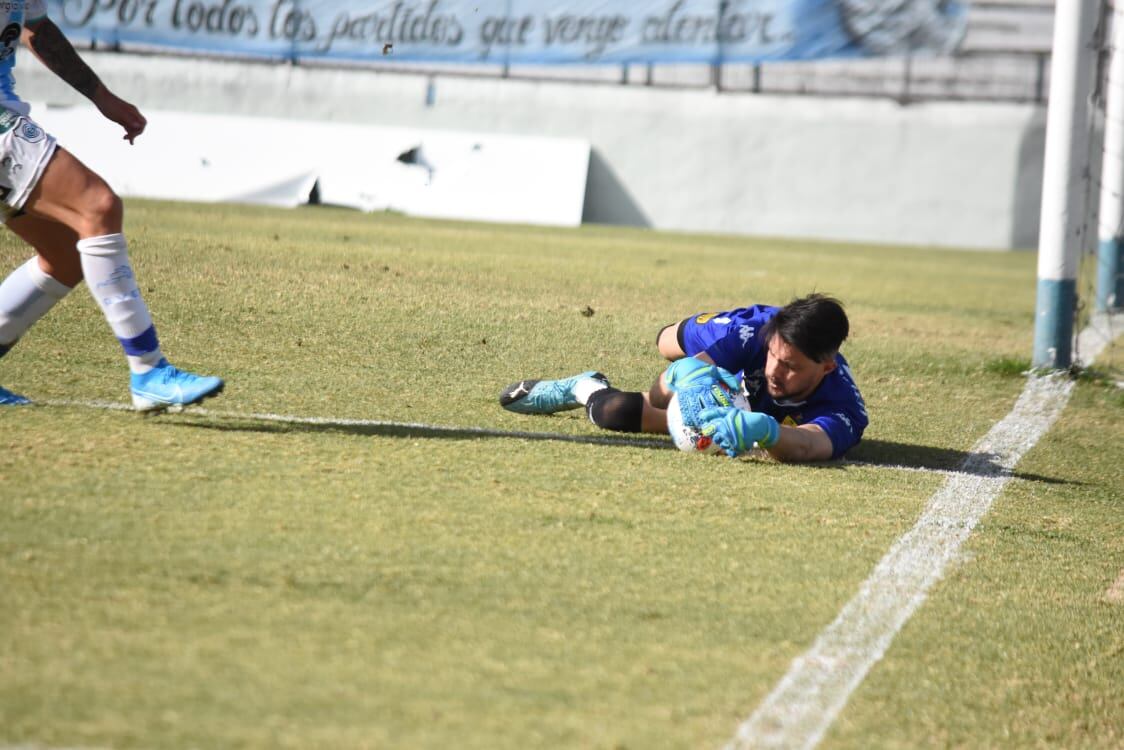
(696, 399)
(689, 371)
(736, 430)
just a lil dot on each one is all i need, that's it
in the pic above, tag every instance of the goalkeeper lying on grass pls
(785, 360)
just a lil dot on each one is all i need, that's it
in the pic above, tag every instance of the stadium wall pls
(855, 169)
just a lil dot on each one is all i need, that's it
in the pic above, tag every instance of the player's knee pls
(611, 409)
(103, 210)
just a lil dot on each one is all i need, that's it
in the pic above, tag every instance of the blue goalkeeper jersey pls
(733, 340)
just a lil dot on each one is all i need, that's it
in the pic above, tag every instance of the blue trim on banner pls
(1053, 324)
(521, 32)
(1110, 274)
(142, 344)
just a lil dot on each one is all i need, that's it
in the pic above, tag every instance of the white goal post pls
(1065, 210)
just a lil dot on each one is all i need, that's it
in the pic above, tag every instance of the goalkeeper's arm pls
(736, 431)
(808, 442)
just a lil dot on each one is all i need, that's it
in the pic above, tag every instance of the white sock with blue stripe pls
(105, 264)
(25, 297)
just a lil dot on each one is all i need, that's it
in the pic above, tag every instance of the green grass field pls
(217, 580)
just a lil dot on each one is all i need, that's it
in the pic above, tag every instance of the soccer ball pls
(691, 401)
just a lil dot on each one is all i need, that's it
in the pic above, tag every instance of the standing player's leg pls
(30, 291)
(55, 246)
(26, 295)
(70, 194)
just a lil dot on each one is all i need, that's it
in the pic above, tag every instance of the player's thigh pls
(698, 333)
(55, 243)
(70, 193)
(669, 343)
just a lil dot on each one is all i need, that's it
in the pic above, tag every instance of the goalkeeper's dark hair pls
(816, 325)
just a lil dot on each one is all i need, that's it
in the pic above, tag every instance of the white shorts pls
(25, 149)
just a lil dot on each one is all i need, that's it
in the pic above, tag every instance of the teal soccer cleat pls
(165, 387)
(7, 398)
(545, 396)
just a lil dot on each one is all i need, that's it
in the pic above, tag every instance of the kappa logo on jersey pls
(745, 333)
(31, 132)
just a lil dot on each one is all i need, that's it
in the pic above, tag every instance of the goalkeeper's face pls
(790, 374)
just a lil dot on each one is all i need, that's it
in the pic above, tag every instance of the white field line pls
(389, 425)
(807, 700)
(375, 424)
(809, 697)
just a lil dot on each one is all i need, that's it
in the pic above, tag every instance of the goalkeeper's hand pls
(736, 430)
(690, 371)
(696, 399)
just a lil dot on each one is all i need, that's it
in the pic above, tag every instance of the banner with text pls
(513, 32)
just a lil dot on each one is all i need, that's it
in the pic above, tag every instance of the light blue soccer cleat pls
(165, 387)
(7, 398)
(545, 396)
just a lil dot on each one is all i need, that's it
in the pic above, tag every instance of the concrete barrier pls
(863, 170)
(287, 162)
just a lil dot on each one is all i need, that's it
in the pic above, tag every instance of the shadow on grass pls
(869, 452)
(912, 456)
(405, 430)
(891, 453)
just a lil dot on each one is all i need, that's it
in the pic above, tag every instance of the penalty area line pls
(810, 696)
(423, 429)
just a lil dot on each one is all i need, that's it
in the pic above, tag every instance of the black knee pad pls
(616, 410)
